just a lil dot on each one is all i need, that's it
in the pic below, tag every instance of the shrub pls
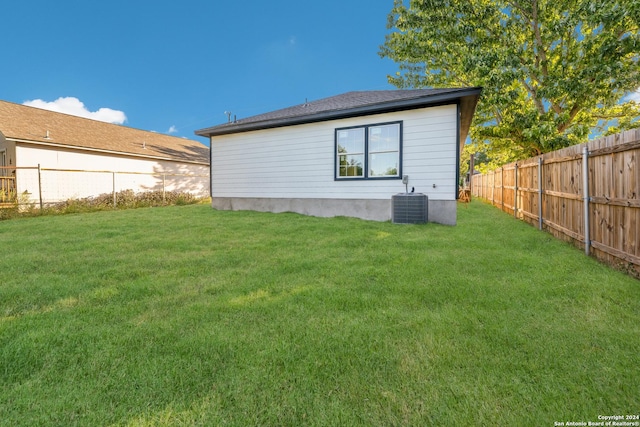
(125, 199)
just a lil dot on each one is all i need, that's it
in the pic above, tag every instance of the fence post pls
(493, 196)
(483, 191)
(515, 191)
(471, 181)
(585, 192)
(114, 189)
(493, 193)
(164, 186)
(485, 186)
(540, 192)
(502, 187)
(40, 186)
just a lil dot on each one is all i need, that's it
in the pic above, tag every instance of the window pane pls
(351, 166)
(384, 138)
(383, 164)
(351, 141)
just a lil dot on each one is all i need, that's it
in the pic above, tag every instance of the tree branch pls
(572, 115)
(534, 95)
(497, 114)
(535, 25)
(520, 8)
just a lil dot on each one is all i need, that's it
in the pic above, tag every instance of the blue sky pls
(177, 66)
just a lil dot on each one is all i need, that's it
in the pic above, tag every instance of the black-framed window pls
(369, 152)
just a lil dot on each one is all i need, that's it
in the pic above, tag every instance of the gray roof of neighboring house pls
(354, 104)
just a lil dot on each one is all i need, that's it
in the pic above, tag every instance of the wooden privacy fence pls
(588, 194)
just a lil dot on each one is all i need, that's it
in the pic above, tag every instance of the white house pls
(345, 155)
(79, 157)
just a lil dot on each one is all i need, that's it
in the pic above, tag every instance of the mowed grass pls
(191, 316)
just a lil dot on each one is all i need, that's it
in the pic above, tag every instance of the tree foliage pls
(553, 71)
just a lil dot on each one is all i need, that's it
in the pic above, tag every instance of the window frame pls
(367, 153)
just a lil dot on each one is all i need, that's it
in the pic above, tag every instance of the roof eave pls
(467, 108)
(385, 107)
(104, 151)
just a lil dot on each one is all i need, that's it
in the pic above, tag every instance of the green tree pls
(553, 71)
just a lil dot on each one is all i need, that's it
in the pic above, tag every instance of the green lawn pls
(189, 316)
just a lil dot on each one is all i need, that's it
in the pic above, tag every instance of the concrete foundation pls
(440, 211)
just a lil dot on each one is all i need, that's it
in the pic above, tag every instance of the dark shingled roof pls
(354, 104)
(43, 127)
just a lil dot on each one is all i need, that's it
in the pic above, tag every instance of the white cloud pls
(634, 96)
(172, 129)
(75, 107)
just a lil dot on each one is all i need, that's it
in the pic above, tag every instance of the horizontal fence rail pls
(588, 194)
(38, 186)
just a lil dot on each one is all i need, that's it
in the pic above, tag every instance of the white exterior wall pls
(60, 185)
(297, 162)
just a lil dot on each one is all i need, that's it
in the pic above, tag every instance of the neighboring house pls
(143, 161)
(345, 155)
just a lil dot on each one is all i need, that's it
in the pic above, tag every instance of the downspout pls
(459, 146)
(211, 168)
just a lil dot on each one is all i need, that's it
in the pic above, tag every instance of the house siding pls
(297, 162)
(9, 148)
(63, 185)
